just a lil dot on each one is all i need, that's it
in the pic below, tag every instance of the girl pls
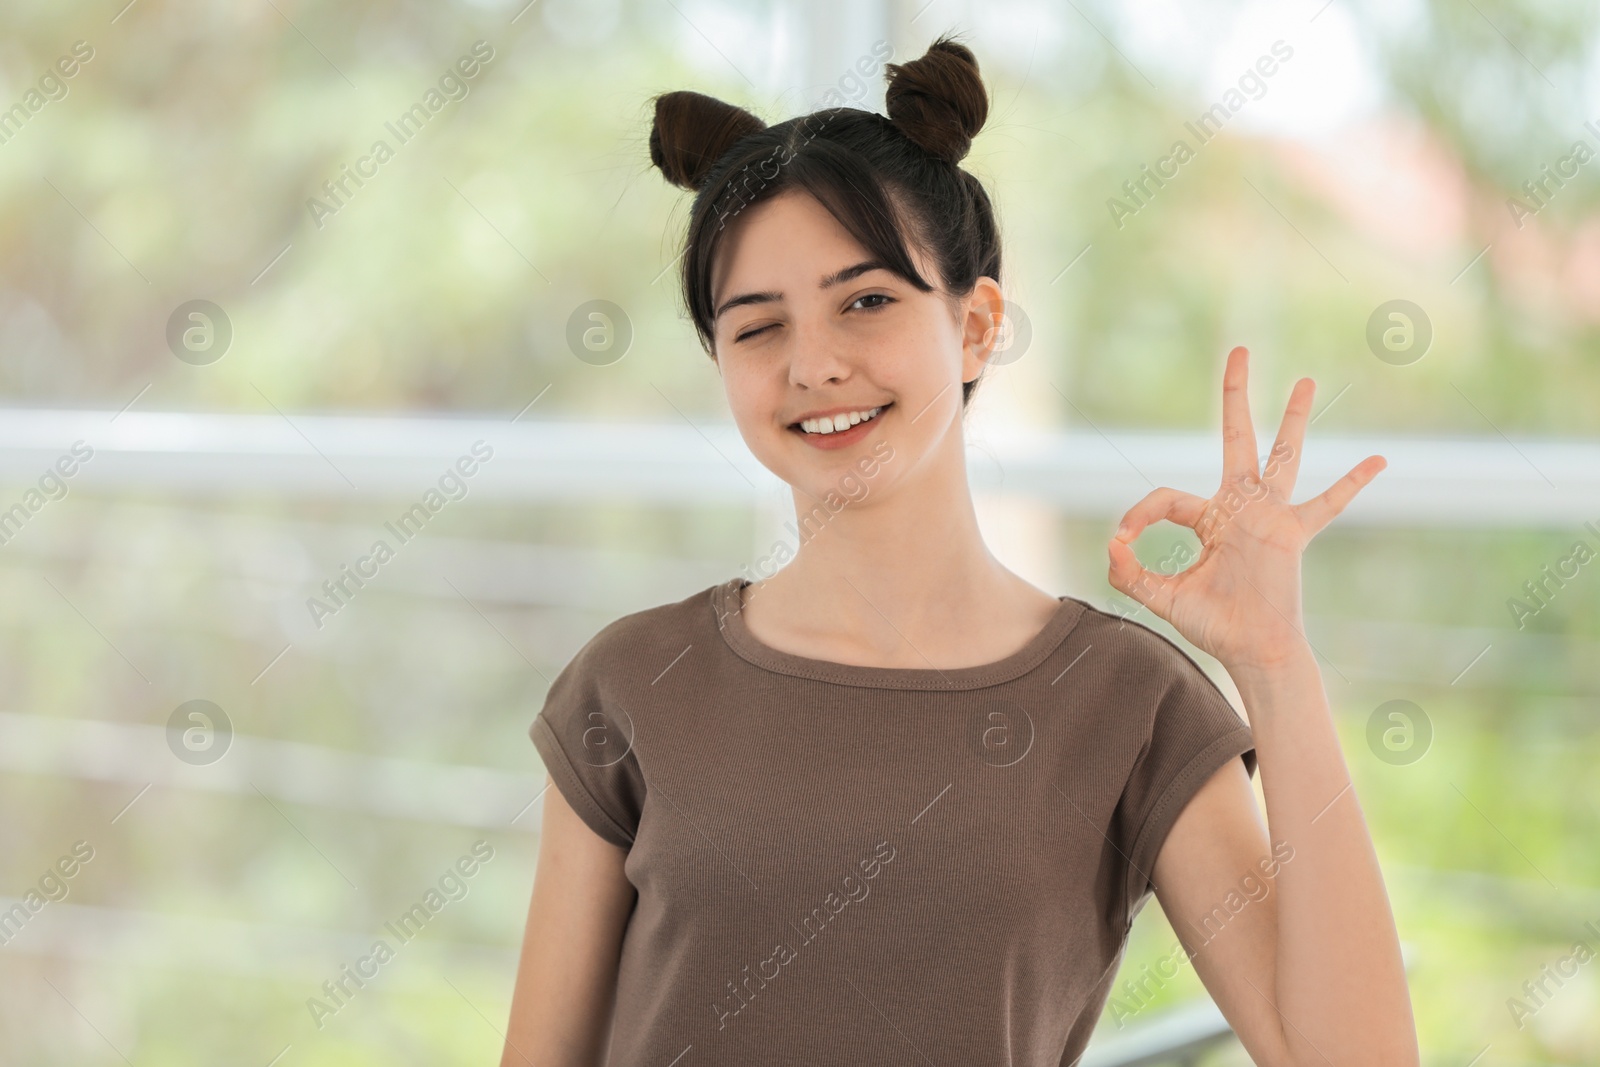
(894, 803)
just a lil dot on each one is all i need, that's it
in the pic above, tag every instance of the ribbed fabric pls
(839, 864)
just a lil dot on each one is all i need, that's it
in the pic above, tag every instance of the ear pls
(983, 326)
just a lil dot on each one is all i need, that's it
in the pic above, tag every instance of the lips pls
(839, 421)
(842, 438)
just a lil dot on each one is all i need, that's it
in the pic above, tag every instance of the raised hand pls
(1240, 600)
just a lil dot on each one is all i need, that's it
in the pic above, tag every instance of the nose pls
(817, 359)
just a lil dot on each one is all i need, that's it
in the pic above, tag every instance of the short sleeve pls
(1194, 731)
(586, 738)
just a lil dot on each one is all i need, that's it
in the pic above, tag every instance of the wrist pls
(1271, 667)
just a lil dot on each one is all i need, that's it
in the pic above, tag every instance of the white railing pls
(1474, 481)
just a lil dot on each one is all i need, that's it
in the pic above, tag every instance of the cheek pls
(754, 392)
(929, 338)
(919, 361)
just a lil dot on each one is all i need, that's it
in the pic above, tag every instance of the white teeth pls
(839, 422)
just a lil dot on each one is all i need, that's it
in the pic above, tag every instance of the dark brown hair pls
(880, 177)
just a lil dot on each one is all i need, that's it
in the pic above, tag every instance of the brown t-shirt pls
(839, 864)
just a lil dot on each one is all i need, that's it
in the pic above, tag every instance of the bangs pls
(838, 177)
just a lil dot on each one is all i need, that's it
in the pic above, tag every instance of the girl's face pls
(806, 329)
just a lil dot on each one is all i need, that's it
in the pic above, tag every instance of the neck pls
(915, 552)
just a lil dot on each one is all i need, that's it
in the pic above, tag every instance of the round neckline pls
(727, 603)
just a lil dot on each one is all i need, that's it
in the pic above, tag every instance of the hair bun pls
(938, 101)
(692, 131)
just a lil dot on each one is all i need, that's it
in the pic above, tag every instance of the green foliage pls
(180, 165)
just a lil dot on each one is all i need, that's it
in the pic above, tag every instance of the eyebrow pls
(766, 296)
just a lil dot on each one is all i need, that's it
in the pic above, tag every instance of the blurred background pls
(275, 273)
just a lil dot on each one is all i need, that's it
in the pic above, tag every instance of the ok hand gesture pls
(1240, 601)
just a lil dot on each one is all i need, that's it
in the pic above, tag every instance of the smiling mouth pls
(825, 427)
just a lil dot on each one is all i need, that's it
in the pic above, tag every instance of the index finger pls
(1168, 503)
(1283, 467)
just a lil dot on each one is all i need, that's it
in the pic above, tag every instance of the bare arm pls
(1306, 968)
(1311, 974)
(567, 976)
